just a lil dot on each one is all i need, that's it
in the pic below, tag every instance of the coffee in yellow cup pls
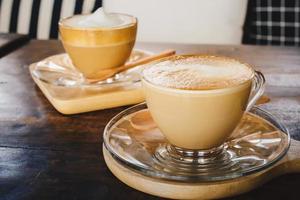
(98, 41)
(197, 100)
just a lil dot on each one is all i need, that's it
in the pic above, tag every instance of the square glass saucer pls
(70, 93)
(58, 70)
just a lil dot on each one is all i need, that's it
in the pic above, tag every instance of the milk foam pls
(99, 18)
(198, 72)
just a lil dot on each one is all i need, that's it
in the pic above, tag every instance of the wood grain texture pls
(214, 190)
(10, 42)
(46, 155)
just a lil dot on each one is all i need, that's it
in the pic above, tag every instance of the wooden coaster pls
(176, 190)
(87, 100)
(73, 100)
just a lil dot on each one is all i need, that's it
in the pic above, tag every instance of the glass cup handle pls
(258, 88)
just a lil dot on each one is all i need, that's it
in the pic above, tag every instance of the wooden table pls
(46, 155)
(10, 42)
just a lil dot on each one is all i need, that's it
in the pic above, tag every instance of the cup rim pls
(197, 92)
(202, 91)
(133, 23)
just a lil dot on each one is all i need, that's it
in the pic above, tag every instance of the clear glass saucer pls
(134, 140)
(58, 70)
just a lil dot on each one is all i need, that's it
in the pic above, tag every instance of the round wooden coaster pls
(221, 189)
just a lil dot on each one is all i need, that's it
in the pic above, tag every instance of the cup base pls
(190, 163)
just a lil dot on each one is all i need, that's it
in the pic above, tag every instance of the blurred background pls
(259, 22)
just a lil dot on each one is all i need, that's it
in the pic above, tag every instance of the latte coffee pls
(98, 41)
(197, 101)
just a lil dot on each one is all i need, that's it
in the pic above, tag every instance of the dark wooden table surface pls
(10, 42)
(46, 155)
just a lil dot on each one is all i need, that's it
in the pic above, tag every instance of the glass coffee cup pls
(94, 46)
(197, 101)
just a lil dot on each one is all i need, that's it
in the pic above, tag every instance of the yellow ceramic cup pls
(94, 49)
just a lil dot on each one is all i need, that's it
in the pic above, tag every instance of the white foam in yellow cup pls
(196, 100)
(98, 41)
